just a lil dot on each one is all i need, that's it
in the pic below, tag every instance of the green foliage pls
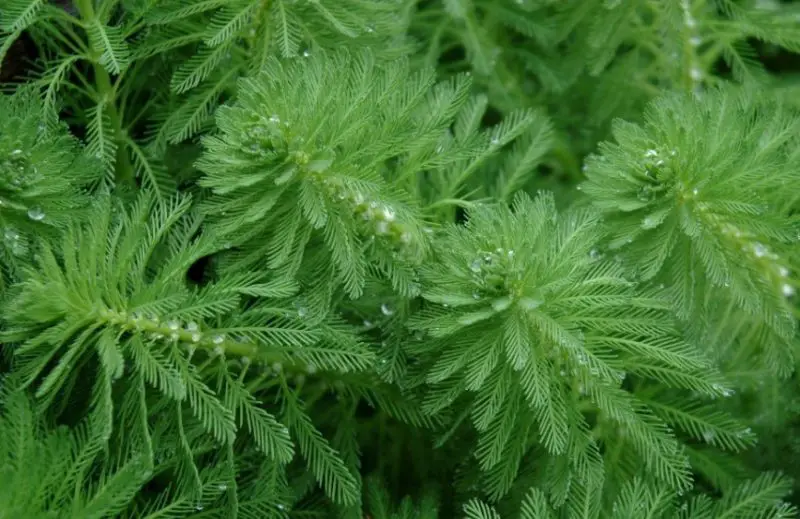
(50, 473)
(697, 199)
(348, 151)
(526, 317)
(44, 177)
(397, 259)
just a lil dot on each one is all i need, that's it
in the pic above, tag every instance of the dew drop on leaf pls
(475, 266)
(36, 214)
(386, 309)
(645, 195)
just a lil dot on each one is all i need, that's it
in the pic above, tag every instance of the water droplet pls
(649, 222)
(595, 254)
(787, 290)
(218, 351)
(760, 250)
(783, 271)
(651, 153)
(223, 487)
(306, 53)
(173, 325)
(709, 436)
(218, 339)
(644, 194)
(370, 29)
(198, 507)
(386, 309)
(476, 296)
(277, 367)
(475, 266)
(274, 119)
(302, 311)
(196, 337)
(696, 74)
(695, 191)
(311, 369)
(495, 141)
(192, 326)
(36, 214)
(695, 41)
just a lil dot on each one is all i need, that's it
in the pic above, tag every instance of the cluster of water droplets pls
(18, 171)
(14, 243)
(494, 273)
(694, 40)
(193, 336)
(656, 170)
(775, 270)
(265, 135)
(380, 218)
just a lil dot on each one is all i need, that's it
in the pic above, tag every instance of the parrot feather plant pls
(399, 259)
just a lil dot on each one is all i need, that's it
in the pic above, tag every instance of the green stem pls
(106, 94)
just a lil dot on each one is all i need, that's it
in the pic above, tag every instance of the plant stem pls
(106, 93)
